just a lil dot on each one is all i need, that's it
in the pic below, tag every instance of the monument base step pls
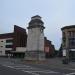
(34, 55)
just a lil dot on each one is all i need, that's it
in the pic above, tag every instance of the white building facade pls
(5, 45)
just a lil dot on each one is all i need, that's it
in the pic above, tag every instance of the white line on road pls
(30, 72)
(33, 71)
(37, 72)
(44, 71)
(23, 68)
(69, 68)
(8, 66)
(71, 73)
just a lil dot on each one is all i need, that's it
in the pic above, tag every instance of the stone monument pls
(35, 39)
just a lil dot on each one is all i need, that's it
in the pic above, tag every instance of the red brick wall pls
(20, 37)
(48, 47)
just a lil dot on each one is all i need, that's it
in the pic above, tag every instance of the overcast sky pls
(54, 13)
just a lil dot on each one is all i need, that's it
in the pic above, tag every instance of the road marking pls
(71, 73)
(37, 72)
(31, 73)
(23, 68)
(43, 71)
(62, 68)
(8, 66)
(68, 68)
(31, 70)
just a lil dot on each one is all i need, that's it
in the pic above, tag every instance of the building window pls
(8, 41)
(72, 42)
(0, 51)
(70, 33)
(7, 51)
(73, 33)
(1, 46)
(1, 41)
(8, 46)
(64, 34)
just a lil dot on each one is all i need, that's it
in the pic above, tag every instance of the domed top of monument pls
(36, 17)
(36, 22)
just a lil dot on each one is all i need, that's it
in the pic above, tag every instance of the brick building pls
(14, 43)
(48, 48)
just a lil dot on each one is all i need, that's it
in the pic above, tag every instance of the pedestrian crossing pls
(30, 70)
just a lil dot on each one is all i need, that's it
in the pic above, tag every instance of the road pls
(10, 71)
(8, 67)
(20, 69)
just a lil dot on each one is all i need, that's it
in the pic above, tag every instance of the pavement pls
(57, 62)
(53, 62)
(52, 66)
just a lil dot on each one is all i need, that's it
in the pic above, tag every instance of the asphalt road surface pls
(10, 71)
(8, 67)
(19, 69)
